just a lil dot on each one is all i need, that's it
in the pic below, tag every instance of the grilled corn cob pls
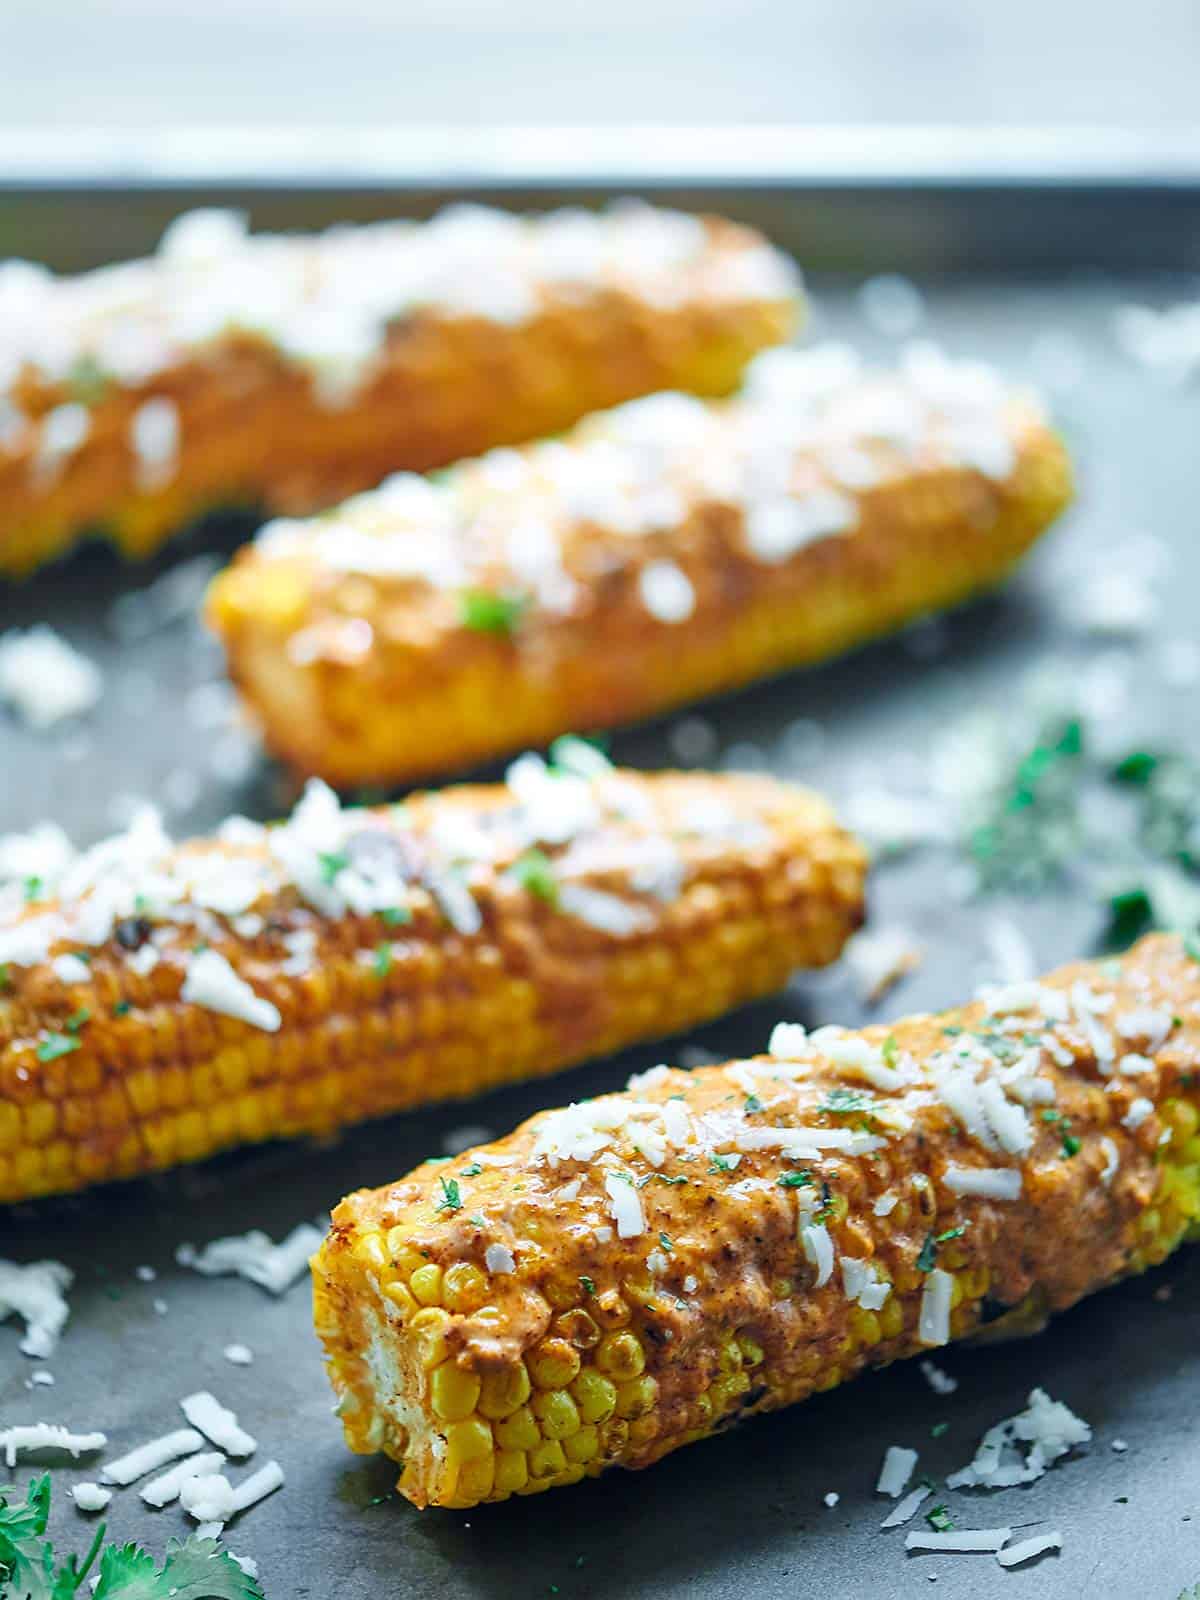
(289, 372)
(639, 1271)
(159, 1003)
(663, 551)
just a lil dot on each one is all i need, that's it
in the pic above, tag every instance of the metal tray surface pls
(745, 1514)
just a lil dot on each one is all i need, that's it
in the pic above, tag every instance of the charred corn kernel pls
(518, 1431)
(648, 1374)
(402, 1008)
(596, 1396)
(553, 1364)
(486, 664)
(556, 1413)
(464, 1287)
(502, 1392)
(620, 1355)
(453, 1393)
(219, 419)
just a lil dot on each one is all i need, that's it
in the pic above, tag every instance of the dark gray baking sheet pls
(743, 1515)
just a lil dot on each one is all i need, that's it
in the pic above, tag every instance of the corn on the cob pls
(159, 1003)
(289, 372)
(663, 551)
(639, 1271)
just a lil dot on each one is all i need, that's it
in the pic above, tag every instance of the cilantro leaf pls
(26, 1558)
(55, 1045)
(195, 1570)
(487, 611)
(840, 1102)
(451, 1195)
(534, 871)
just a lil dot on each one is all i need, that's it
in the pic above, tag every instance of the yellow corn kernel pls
(1182, 1118)
(556, 1413)
(891, 1318)
(512, 1471)
(583, 1445)
(502, 1392)
(475, 1479)
(518, 1431)
(371, 1252)
(405, 1256)
(453, 1393)
(546, 1459)
(426, 1284)
(429, 1329)
(865, 1326)
(464, 1287)
(637, 1396)
(752, 1352)
(619, 1355)
(595, 1395)
(553, 1364)
(399, 1296)
(578, 1329)
(467, 1441)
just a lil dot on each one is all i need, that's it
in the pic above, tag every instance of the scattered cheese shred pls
(90, 1496)
(37, 1436)
(989, 1183)
(898, 1466)
(204, 1411)
(256, 1257)
(37, 1294)
(162, 1490)
(907, 1508)
(149, 1457)
(988, 1540)
(212, 983)
(933, 1324)
(1025, 1550)
(626, 1205)
(1047, 1427)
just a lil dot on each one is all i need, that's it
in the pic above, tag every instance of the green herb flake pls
(579, 757)
(33, 887)
(382, 964)
(395, 916)
(795, 1180)
(5, 977)
(87, 380)
(890, 1050)
(664, 1239)
(488, 611)
(589, 1284)
(55, 1045)
(939, 1520)
(332, 862)
(122, 1008)
(472, 1171)
(77, 1019)
(938, 1429)
(927, 1257)
(674, 1182)
(534, 871)
(1070, 1146)
(951, 1233)
(720, 1164)
(843, 1102)
(451, 1195)
(753, 1103)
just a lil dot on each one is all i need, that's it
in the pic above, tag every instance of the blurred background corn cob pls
(660, 552)
(636, 1272)
(160, 1003)
(287, 372)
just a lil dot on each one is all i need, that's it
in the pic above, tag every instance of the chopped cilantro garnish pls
(472, 1171)
(395, 916)
(753, 1103)
(477, 1221)
(840, 1102)
(1070, 1146)
(33, 887)
(939, 1520)
(720, 1164)
(938, 1430)
(952, 1030)
(77, 1019)
(55, 1045)
(1137, 767)
(1051, 1116)
(486, 611)
(332, 862)
(589, 1284)
(383, 961)
(951, 1233)
(664, 1239)
(122, 1008)
(927, 1257)
(890, 1049)
(451, 1195)
(534, 871)
(795, 1180)
(5, 977)
(87, 380)
(1130, 913)
(1033, 826)
(674, 1182)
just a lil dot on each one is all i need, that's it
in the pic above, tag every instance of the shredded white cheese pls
(238, 1355)
(984, 1540)
(212, 983)
(256, 1257)
(940, 1382)
(148, 1457)
(37, 1294)
(992, 1183)
(1025, 1549)
(625, 1205)
(1139, 1110)
(1021, 1448)
(90, 1496)
(499, 1258)
(933, 1323)
(208, 1499)
(818, 1250)
(899, 1463)
(34, 1437)
(217, 1423)
(907, 1509)
(161, 1491)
